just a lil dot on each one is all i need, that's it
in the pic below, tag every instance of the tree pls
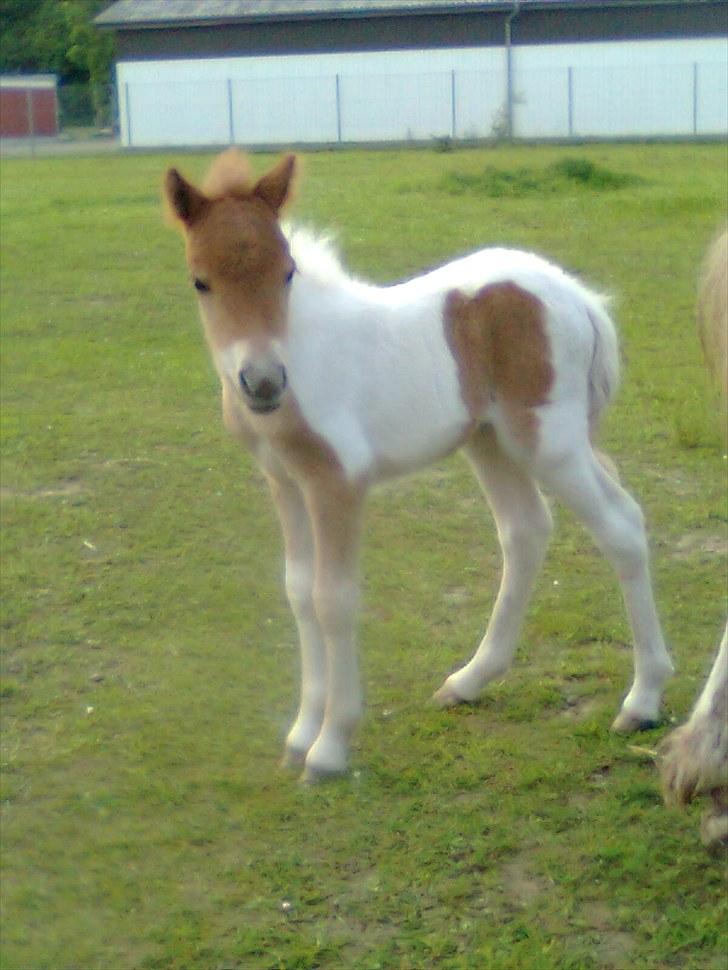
(90, 51)
(32, 36)
(59, 37)
(56, 37)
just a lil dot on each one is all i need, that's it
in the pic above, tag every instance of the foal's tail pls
(604, 368)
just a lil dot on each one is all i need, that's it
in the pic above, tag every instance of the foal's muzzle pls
(263, 386)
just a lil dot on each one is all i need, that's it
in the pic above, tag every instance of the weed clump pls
(562, 177)
(580, 171)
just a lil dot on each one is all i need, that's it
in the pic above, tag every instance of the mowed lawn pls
(150, 662)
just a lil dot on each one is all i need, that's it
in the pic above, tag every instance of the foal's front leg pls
(335, 509)
(300, 565)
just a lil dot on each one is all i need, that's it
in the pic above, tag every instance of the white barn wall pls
(713, 96)
(262, 108)
(660, 88)
(626, 89)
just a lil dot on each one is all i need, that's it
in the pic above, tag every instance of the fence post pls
(570, 90)
(508, 41)
(509, 92)
(127, 105)
(338, 108)
(452, 104)
(695, 98)
(231, 122)
(30, 117)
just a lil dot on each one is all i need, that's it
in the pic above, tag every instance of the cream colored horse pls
(694, 758)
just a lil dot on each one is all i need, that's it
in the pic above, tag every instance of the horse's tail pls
(713, 311)
(604, 368)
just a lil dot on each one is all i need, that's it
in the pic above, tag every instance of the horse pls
(335, 385)
(694, 757)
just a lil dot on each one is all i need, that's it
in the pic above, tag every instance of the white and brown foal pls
(335, 385)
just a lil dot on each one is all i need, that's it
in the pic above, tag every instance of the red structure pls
(28, 106)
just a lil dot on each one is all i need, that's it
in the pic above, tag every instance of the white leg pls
(713, 702)
(298, 539)
(335, 508)
(615, 521)
(523, 521)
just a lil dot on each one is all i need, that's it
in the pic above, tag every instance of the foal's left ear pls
(185, 201)
(275, 187)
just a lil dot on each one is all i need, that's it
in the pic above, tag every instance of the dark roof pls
(192, 13)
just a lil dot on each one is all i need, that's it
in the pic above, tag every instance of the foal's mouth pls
(264, 407)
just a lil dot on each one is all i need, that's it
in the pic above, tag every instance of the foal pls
(335, 385)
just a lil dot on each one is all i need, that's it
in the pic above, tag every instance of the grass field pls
(149, 659)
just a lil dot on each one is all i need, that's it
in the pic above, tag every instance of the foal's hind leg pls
(524, 526)
(616, 523)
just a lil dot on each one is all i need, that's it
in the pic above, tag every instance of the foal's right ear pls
(185, 202)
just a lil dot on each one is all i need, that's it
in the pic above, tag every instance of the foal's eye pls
(200, 286)
(289, 275)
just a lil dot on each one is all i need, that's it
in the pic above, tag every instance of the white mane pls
(315, 254)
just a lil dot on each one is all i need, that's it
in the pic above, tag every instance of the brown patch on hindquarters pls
(499, 342)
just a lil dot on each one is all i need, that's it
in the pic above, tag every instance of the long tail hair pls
(713, 311)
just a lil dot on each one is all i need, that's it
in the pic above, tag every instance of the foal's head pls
(241, 269)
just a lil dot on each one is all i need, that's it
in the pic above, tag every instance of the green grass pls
(149, 660)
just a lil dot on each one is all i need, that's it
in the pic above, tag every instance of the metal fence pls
(86, 106)
(570, 102)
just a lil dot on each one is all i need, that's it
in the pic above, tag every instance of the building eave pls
(305, 14)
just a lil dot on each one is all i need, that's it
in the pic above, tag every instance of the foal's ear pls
(275, 187)
(186, 203)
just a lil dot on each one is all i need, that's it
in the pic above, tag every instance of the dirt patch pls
(698, 544)
(600, 776)
(20, 147)
(456, 596)
(614, 946)
(521, 884)
(582, 801)
(578, 708)
(63, 489)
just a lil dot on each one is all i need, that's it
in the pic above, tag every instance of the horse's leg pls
(299, 551)
(694, 757)
(524, 526)
(335, 508)
(617, 525)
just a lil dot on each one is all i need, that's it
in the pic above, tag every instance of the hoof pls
(313, 775)
(446, 697)
(714, 825)
(714, 832)
(626, 723)
(293, 758)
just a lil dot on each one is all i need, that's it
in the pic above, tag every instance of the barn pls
(272, 72)
(28, 105)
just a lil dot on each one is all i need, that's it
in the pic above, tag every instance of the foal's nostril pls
(244, 384)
